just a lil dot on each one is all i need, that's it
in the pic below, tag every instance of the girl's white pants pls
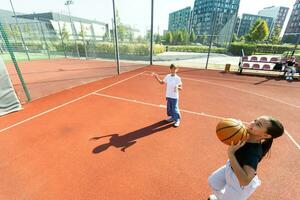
(225, 185)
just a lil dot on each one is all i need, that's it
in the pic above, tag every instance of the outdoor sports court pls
(108, 139)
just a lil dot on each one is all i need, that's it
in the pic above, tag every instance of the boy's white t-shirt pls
(171, 82)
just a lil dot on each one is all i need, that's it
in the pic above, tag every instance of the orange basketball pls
(231, 130)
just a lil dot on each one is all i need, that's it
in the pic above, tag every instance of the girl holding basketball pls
(237, 180)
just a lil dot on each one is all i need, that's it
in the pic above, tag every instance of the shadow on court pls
(129, 139)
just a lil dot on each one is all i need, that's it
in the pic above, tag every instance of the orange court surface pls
(108, 140)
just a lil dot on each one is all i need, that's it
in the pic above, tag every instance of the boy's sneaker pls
(170, 119)
(177, 123)
(212, 197)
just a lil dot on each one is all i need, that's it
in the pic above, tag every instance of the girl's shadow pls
(125, 141)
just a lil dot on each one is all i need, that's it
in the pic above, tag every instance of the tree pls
(124, 32)
(185, 37)
(247, 37)
(242, 39)
(202, 39)
(64, 32)
(275, 37)
(130, 36)
(157, 39)
(179, 37)
(82, 32)
(259, 30)
(235, 38)
(15, 30)
(169, 37)
(26, 30)
(148, 36)
(121, 32)
(192, 36)
(139, 39)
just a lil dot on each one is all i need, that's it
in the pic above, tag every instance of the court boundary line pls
(186, 111)
(241, 90)
(67, 103)
(246, 82)
(245, 91)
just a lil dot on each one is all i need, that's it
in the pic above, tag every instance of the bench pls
(260, 63)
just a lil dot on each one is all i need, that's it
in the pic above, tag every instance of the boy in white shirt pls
(174, 84)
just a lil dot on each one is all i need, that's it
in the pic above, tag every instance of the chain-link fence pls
(55, 39)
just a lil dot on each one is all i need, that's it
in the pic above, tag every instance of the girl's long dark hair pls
(275, 130)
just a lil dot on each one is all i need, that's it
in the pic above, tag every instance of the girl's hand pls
(233, 148)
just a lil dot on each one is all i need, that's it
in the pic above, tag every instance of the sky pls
(132, 12)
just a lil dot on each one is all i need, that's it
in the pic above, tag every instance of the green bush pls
(196, 49)
(236, 49)
(138, 49)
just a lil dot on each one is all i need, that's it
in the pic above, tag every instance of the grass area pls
(23, 57)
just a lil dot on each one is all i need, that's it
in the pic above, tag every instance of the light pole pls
(116, 37)
(16, 18)
(214, 17)
(151, 33)
(68, 3)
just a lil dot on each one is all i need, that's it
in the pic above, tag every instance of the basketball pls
(231, 130)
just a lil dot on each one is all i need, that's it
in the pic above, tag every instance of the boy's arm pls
(179, 87)
(158, 79)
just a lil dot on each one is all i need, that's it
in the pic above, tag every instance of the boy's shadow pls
(125, 141)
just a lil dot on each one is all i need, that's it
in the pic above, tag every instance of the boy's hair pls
(173, 66)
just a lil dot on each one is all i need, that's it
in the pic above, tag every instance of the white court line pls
(245, 91)
(291, 138)
(241, 90)
(182, 110)
(156, 105)
(67, 103)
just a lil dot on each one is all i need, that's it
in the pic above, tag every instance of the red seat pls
(274, 59)
(253, 58)
(255, 66)
(245, 58)
(263, 59)
(266, 67)
(246, 65)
